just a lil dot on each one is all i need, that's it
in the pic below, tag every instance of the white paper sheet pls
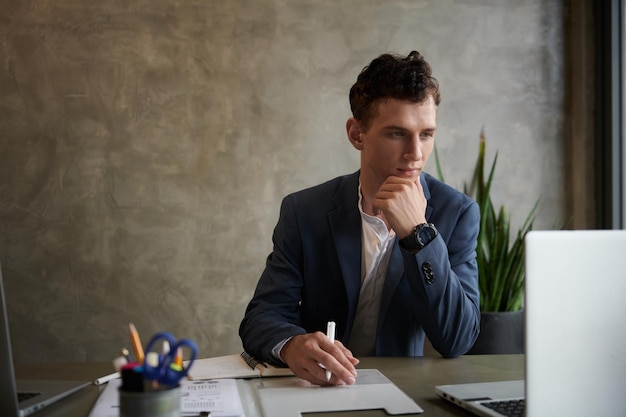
(219, 396)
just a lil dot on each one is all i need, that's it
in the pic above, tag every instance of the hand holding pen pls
(304, 353)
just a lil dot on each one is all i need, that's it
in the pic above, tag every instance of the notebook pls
(575, 321)
(38, 394)
(234, 366)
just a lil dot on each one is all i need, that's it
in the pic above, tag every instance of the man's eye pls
(397, 134)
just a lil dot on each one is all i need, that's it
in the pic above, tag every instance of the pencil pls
(134, 338)
(178, 359)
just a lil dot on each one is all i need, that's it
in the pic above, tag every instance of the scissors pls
(165, 370)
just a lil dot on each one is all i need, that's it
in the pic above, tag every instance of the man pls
(388, 253)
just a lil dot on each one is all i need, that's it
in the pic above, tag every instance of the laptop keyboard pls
(23, 396)
(509, 408)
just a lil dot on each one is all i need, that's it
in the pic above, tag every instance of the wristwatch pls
(421, 236)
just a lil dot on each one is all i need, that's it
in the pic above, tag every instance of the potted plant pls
(500, 259)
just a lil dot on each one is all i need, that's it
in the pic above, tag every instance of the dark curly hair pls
(392, 76)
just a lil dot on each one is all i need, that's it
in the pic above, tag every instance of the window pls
(622, 114)
(611, 96)
(618, 109)
(595, 113)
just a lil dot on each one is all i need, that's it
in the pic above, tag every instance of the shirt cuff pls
(276, 351)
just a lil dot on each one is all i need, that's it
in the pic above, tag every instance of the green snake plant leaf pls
(500, 256)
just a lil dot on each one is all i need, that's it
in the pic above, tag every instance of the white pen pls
(330, 333)
(106, 378)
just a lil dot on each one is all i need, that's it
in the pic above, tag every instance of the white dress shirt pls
(378, 243)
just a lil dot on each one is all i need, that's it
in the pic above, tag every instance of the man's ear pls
(354, 132)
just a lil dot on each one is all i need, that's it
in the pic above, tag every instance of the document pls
(276, 397)
(293, 397)
(234, 366)
(220, 397)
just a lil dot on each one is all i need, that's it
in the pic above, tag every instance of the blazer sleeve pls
(273, 313)
(444, 278)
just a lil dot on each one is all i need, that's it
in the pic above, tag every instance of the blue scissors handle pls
(152, 371)
(172, 373)
(166, 371)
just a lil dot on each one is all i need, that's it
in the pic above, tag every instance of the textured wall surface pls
(145, 146)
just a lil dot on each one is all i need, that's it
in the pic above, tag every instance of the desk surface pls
(417, 377)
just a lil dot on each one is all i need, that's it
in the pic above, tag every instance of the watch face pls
(425, 235)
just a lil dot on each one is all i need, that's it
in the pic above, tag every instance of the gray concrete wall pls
(145, 146)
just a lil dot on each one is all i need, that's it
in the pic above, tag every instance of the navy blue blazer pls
(313, 275)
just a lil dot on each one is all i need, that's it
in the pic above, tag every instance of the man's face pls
(399, 140)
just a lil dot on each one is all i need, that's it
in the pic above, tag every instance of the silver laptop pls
(35, 394)
(575, 323)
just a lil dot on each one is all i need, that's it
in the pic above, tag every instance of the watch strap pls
(413, 242)
(410, 242)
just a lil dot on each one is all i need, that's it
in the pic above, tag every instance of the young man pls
(388, 253)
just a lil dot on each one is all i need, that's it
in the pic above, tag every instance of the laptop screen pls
(34, 394)
(575, 316)
(575, 323)
(8, 391)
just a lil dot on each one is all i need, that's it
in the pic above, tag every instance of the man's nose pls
(413, 150)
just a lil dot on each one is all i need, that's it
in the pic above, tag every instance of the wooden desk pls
(417, 377)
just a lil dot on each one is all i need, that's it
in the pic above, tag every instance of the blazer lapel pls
(345, 226)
